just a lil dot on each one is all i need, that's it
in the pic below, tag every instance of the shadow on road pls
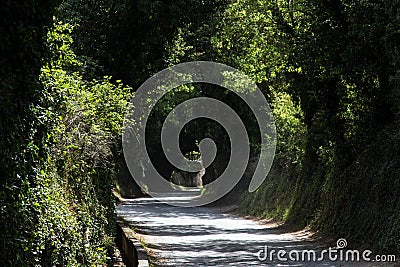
(202, 236)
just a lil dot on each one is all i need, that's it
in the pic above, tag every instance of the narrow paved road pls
(203, 236)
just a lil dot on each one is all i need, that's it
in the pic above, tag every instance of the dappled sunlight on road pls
(202, 236)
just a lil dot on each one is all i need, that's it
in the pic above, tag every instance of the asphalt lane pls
(204, 236)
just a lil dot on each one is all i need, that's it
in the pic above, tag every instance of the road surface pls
(204, 236)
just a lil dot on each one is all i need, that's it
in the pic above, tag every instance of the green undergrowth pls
(360, 202)
(274, 198)
(63, 213)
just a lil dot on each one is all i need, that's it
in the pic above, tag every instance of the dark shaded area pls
(23, 26)
(129, 42)
(198, 129)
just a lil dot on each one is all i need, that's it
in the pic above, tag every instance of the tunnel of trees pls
(329, 69)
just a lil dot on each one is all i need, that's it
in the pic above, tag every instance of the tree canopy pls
(329, 69)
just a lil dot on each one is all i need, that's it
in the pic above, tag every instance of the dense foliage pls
(330, 70)
(336, 61)
(60, 142)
